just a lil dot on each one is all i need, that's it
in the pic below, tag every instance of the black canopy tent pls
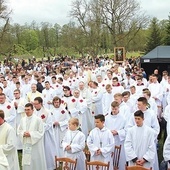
(158, 58)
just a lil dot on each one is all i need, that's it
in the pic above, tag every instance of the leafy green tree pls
(154, 37)
(167, 30)
(29, 39)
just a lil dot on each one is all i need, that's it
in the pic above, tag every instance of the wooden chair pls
(97, 165)
(116, 157)
(87, 154)
(65, 163)
(136, 167)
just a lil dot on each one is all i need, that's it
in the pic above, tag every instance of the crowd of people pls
(59, 108)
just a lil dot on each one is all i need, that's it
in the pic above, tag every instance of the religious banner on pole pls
(119, 54)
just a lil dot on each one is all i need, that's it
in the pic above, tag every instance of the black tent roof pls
(160, 54)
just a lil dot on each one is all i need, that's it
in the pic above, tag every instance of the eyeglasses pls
(16, 93)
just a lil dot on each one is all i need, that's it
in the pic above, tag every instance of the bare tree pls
(80, 9)
(4, 21)
(120, 17)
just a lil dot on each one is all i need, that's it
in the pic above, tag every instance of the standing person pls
(107, 100)
(116, 123)
(49, 138)
(39, 85)
(123, 107)
(96, 100)
(48, 94)
(100, 141)
(7, 145)
(9, 110)
(60, 118)
(150, 119)
(19, 104)
(31, 95)
(82, 112)
(116, 86)
(74, 143)
(31, 132)
(139, 143)
(157, 94)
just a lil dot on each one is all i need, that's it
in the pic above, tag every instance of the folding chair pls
(65, 163)
(136, 167)
(116, 157)
(97, 165)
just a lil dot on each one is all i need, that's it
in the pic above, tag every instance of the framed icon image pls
(119, 54)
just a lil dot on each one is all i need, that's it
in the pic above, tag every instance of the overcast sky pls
(57, 11)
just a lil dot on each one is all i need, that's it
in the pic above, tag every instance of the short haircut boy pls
(101, 117)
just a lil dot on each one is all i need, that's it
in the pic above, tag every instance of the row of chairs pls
(69, 164)
(115, 156)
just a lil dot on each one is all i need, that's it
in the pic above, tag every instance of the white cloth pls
(49, 137)
(139, 143)
(48, 96)
(166, 149)
(166, 116)
(117, 122)
(76, 140)
(107, 100)
(8, 146)
(62, 117)
(117, 89)
(96, 101)
(33, 156)
(4, 165)
(10, 113)
(125, 110)
(31, 96)
(20, 113)
(150, 119)
(103, 140)
(82, 114)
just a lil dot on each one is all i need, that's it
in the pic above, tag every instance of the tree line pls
(97, 27)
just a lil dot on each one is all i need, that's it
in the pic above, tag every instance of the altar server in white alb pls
(60, 118)
(107, 100)
(74, 144)
(150, 119)
(139, 143)
(48, 94)
(101, 142)
(31, 132)
(96, 99)
(116, 123)
(49, 138)
(8, 150)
